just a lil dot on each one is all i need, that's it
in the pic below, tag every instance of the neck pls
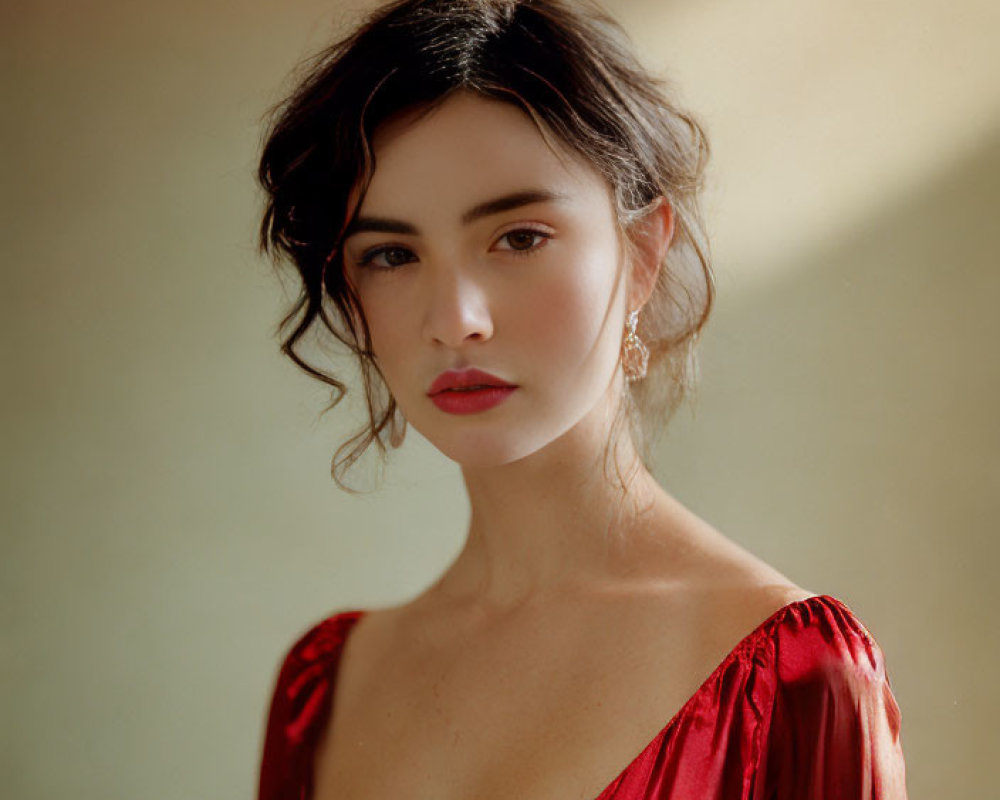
(557, 520)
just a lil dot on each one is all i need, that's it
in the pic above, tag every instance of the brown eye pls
(521, 240)
(385, 257)
(524, 240)
(395, 256)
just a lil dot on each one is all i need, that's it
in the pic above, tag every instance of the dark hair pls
(571, 68)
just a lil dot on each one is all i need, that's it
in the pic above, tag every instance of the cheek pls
(387, 328)
(569, 314)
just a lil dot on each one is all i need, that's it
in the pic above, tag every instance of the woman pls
(494, 207)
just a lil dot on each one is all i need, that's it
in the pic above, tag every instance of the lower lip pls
(472, 402)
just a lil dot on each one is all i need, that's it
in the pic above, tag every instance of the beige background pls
(169, 525)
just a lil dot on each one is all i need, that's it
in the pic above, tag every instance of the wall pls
(168, 519)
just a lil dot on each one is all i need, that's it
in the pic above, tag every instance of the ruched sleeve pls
(835, 725)
(300, 705)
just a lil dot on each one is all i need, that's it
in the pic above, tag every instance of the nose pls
(456, 309)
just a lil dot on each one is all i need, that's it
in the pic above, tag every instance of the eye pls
(524, 240)
(386, 257)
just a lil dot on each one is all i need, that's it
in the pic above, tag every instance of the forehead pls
(467, 149)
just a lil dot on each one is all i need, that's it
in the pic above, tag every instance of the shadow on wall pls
(847, 432)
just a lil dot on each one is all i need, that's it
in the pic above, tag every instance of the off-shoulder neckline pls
(346, 620)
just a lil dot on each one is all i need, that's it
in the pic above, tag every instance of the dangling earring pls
(397, 429)
(635, 354)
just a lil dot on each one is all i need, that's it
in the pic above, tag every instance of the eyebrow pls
(496, 206)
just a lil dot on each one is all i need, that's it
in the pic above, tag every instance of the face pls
(480, 246)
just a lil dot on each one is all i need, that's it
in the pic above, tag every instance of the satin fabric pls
(800, 708)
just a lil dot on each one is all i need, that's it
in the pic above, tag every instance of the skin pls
(565, 604)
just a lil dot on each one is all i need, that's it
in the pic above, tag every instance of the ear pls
(650, 238)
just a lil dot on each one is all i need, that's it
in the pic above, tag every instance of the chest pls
(543, 716)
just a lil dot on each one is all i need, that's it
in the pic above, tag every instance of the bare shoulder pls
(715, 608)
(375, 635)
(733, 590)
(718, 587)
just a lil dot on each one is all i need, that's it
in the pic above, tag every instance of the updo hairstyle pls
(572, 69)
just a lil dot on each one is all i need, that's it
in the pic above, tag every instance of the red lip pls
(463, 379)
(468, 391)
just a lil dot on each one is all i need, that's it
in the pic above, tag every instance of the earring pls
(635, 354)
(397, 429)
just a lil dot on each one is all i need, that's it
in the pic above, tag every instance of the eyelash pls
(365, 261)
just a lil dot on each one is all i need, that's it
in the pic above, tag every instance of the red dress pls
(801, 709)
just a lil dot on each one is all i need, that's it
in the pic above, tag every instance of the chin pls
(480, 452)
(495, 439)
(492, 445)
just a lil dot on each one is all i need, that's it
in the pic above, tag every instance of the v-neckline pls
(743, 644)
(351, 618)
